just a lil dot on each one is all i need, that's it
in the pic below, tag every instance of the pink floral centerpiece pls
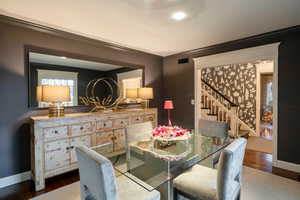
(170, 133)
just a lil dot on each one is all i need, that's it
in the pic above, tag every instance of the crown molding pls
(68, 35)
(248, 42)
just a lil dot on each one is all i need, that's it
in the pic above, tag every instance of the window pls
(51, 77)
(130, 83)
(131, 79)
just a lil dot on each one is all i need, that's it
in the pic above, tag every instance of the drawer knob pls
(70, 147)
(55, 131)
(104, 124)
(81, 128)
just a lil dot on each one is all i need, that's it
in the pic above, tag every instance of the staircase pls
(215, 106)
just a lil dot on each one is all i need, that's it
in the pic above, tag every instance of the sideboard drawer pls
(55, 132)
(119, 140)
(56, 145)
(120, 123)
(80, 129)
(136, 119)
(106, 124)
(105, 141)
(56, 154)
(149, 117)
(77, 141)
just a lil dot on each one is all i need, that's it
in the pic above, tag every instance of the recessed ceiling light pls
(178, 15)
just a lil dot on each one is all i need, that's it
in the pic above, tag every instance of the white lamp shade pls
(39, 92)
(145, 93)
(131, 93)
(47, 93)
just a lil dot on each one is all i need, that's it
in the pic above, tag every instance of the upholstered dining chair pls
(204, 183)
(137, 132)
(217, 130)
(212, 128)
(98, 181)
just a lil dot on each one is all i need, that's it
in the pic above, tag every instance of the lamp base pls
(56, 110)
(146, 106)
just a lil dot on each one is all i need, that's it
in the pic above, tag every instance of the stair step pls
(244, 133)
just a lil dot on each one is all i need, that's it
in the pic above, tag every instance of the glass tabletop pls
(151, 163)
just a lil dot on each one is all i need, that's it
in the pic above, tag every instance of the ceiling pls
(71, 62)
(146, 25)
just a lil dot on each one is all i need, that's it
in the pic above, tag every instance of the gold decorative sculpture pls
(110, 102)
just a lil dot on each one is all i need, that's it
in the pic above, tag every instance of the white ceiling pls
(146, 24)
(64, 61)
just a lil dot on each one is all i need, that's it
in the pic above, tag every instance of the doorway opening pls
(262, 142)
(263, 138)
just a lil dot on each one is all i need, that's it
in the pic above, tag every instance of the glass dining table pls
(153, 165)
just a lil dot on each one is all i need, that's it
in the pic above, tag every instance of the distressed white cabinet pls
(54, 140)
(77, 141)
(56, 154)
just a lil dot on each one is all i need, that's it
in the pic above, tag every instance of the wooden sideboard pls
(53, 140)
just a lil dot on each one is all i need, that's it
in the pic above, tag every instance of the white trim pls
(288, 166)
(267, 52)
(131, 74)
(54, 74)
(14, 179)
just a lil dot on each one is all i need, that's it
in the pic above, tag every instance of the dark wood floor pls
(25, 190)
(258, 160)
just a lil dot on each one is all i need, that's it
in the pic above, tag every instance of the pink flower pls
(169, 131)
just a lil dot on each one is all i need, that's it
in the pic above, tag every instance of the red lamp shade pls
(168, 105)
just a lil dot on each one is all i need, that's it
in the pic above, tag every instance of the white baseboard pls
(14, 179)
(288, 166)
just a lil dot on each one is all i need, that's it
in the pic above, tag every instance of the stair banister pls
(222, 108)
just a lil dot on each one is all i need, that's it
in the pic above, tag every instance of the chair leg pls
(175, 194)
(239, 196)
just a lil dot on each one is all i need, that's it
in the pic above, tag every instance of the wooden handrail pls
(220, 94)
(235, 120)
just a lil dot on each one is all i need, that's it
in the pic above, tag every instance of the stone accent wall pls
(238, 83)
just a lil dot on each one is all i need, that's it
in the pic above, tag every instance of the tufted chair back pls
(230, 170)
(97, 178)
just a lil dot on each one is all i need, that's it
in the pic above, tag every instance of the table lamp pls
(145, 94)
(55, 96)
(131, 94)
(168, 105)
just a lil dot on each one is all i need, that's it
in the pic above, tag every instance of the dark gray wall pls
(179, 85)
(14, 128)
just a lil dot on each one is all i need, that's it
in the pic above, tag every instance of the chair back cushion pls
(230, 169)
(97, 178)
(213, 128)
